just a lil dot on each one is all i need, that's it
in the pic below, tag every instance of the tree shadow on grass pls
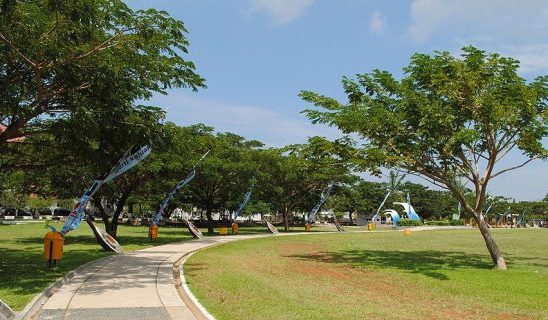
(89, 240)
(429, 262)
(24, 272)
(532, 261)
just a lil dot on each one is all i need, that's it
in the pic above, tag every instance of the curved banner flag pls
(411, 214)
(521, 220)
(132, 157)
(128, 161)
(271, 227)
(503, 216)
(196, 233)
(485, 214)
(323, 198)
(244, 202)
(164, 203)
(499, 219)
(104, 239)
(338, 224)
(456, 216)
(488, 209)
(374, 219)
(179, 185)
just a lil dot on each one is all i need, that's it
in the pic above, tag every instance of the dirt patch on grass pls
(373, 288)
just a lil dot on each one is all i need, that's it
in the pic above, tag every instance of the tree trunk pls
(113, 229)
(492, 246)
(209, 221)
(350, 218)
(104, 215)
(284, 217)
(111, 225)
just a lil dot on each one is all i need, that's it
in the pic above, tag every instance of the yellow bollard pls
(369, 226)
(407, 232)
(234, 228)
(307, 227)
(223, 231)
(53, 247)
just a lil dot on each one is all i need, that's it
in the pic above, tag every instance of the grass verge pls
(23, 272)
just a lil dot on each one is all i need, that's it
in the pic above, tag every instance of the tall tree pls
(86, 148)
(60, 57)
(297, 174)
(447, 118)
(71, 73)
(224, 176)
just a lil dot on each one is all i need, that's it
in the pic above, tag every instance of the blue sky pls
(256, 56)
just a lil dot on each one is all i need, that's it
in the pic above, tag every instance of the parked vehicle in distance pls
(297, 220)
(16, 212)
(45, 212)
(61, 212)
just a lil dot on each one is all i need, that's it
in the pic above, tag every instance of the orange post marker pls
(153, 232)
(53, 247)
(234, 228)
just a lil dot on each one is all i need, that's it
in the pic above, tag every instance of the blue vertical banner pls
(323, 198)
(158, 217)
(130, 159)
(247, 196)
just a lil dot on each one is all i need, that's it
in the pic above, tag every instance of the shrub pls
(445, 223)
(409, 223)
(438, 223)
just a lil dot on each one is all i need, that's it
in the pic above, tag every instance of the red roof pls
(18, 139)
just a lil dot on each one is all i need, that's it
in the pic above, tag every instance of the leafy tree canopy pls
(447, 118)
(61, 57)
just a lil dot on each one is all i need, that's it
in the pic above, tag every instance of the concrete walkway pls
(138, 285)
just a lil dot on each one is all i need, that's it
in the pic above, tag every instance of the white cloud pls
(518, 29)
(253, 122)
(532, 57)
(377, 22)
(507, 17)
(426, 15)
(281, 11)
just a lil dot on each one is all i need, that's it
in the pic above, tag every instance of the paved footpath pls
(138, 285)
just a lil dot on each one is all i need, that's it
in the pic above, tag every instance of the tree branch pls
(14, 48)
(515, 167)
(104, 45)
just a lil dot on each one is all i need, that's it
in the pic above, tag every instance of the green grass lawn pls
(23, 272)
(383, 275)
